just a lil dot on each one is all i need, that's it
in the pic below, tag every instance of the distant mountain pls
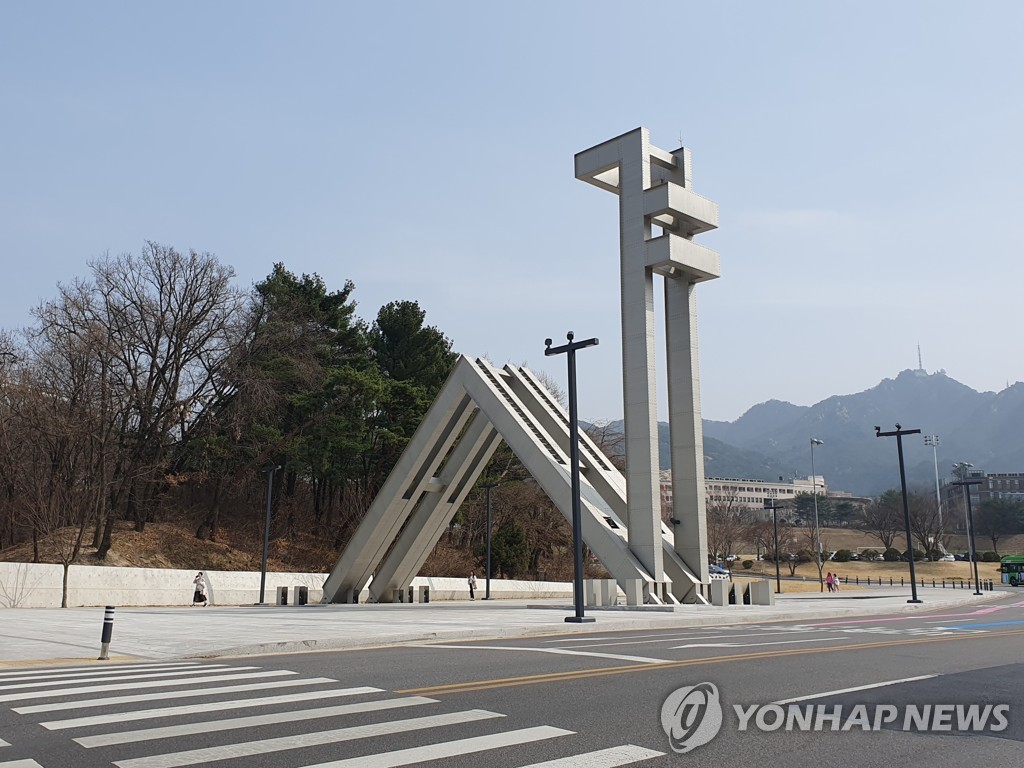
(772, 439)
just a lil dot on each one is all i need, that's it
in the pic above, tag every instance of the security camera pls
(547, 342)
(675, 521)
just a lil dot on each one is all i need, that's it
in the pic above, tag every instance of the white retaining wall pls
(31, 585)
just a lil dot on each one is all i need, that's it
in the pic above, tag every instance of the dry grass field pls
(842, 538)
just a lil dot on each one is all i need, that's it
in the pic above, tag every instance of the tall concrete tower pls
(658, 216)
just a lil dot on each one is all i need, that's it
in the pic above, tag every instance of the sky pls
(867, 160)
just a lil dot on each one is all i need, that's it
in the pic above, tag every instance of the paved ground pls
(44, 635)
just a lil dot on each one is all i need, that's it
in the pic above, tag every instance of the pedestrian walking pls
(472, 586)
(199, 596)
(830, 581)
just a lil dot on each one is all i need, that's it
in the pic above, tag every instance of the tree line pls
(730, 526)
(157, 389)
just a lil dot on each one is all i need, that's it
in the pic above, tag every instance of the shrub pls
(990, 557)
(842, 556)
(891, 555)
(868, 554)
(748, 564)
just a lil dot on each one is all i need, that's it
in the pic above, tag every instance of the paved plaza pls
(47, 635)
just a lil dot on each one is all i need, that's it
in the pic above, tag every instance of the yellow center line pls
(551, 677)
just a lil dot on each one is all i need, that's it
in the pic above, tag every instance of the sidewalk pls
(48, 635)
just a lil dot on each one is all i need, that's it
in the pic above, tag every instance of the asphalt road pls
(585, 700)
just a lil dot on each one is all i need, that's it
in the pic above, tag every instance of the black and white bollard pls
(108, 631)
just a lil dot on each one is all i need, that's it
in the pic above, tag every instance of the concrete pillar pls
(685, 426)
(762, 593)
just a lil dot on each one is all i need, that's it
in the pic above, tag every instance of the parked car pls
(718, 572)
(947, 559)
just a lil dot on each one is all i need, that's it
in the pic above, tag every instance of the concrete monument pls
(658, 217)
(480, 405)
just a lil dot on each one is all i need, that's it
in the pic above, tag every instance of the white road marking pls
(692, 637)
(20, 764)
(4, 743)
(445, 749)
(264, 746)
(754, 645)
(77, 671)
(559, 651)
(853, 690)
(146, 676)
(135, 684)
(209, 726)
(575, 639)
(62, 706)
(602, 758)
(217, 706)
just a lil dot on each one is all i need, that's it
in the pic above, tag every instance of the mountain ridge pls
(772, 439)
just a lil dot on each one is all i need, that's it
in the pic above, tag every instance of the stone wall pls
(29, 585)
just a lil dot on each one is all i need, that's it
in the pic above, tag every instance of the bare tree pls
(52, 411)
(925, 525)
(817, 545)
(883, 518)
(159, 327)
(726, 521)
(611, 440)
(761, 535)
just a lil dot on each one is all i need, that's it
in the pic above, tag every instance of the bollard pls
(108, 631)
(890, 581)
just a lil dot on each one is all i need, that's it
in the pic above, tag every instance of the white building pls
(747, 494)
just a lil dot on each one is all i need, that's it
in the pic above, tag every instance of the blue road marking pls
(989, 624)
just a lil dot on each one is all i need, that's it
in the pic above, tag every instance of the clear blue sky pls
(867, 159)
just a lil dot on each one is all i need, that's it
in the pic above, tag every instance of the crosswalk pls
(171, 714)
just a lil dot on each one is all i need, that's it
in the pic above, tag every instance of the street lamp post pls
(270, 469)
(966, 485)
(960, 471)
(933, 441)
(488, 487)
(769, 503)
(817, 531)
(898, 434)
(574, 469)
